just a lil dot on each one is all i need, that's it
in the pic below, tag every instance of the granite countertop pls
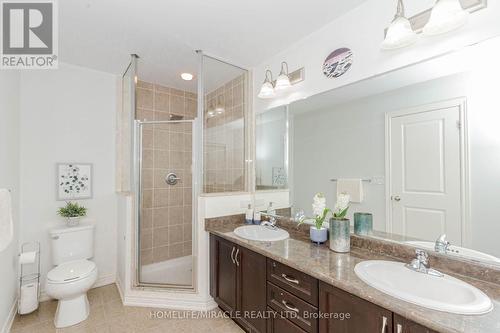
(338, 270)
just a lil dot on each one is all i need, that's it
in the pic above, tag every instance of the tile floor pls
(108, 315)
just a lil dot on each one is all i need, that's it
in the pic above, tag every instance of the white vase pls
(73, 221)
(318, 236)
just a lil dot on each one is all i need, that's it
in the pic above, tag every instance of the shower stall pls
(178, 140)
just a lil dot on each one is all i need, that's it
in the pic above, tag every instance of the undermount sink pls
(261, 233)
(443, 293)
(457, 251)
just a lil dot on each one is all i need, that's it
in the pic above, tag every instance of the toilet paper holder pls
(29, 278)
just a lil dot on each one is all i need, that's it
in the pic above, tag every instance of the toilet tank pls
(72, 243)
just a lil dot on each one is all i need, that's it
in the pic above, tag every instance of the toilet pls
(74, 274)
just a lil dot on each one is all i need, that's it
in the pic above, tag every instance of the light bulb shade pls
(399, 34)
(282, 82)
(447, 15)
(267, 90)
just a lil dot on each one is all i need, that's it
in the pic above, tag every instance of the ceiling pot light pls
(267, 89)
(400, 33)
(446, 16)
(283, 80)
(187, 76)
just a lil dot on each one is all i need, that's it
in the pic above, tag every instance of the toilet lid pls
(70, 271)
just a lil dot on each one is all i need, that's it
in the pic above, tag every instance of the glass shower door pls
(165, 225)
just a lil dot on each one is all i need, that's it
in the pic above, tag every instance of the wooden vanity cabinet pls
(403, 325)
(350, 314)
(238, 283)
(243, 281)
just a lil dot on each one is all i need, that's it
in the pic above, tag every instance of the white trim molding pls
(10, 319)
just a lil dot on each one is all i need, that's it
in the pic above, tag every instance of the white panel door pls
(425, 173)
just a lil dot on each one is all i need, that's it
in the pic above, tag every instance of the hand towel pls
(6, 223)
(354, 187)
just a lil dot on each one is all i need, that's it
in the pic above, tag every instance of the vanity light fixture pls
(219, 107)
(267, 89)
(187, 76)
(400, 33)
(283, 80)
(446, 15)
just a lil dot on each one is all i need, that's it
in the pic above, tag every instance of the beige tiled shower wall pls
(224, 138)
(166, 220)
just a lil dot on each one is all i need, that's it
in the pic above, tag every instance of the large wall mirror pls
(420, 148)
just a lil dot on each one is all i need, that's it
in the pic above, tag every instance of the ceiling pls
(101, 34)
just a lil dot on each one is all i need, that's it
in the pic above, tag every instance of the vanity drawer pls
(293, 281)
(301, 313)
(279, 324)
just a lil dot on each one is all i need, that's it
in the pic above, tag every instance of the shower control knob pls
(172, 179)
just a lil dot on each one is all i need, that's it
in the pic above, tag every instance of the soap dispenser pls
(249, 215)
(270, 209)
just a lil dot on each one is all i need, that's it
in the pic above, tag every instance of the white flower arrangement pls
(319, 210)
(342, 205)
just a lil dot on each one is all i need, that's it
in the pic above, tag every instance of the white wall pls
(68, 115)
(362, 30)
(9, 178)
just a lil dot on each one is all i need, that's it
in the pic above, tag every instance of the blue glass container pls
(363, 224)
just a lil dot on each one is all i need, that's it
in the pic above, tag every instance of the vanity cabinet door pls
(223, 273)
(363, 316)
(251, 288)
(403, 325)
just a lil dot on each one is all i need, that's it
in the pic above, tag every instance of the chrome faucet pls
(271, 224)
(421, 264)
(442, 245)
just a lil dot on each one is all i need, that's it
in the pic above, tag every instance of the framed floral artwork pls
(74, 181)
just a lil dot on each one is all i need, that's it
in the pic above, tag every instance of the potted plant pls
(318, 233)
(72, 212)
(340, 226)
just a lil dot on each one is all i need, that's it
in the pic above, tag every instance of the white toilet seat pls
(71, 271)
(69, 283)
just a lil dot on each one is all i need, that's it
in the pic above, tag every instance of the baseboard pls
(101, 281)
(170, 303)
(119, 286)
(10, 319)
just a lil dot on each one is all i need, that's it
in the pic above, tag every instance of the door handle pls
(289, 307)
(384, 324)
(399, 328)
(232, 255)
(236, 257)
(289, 279)
(396, 198)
